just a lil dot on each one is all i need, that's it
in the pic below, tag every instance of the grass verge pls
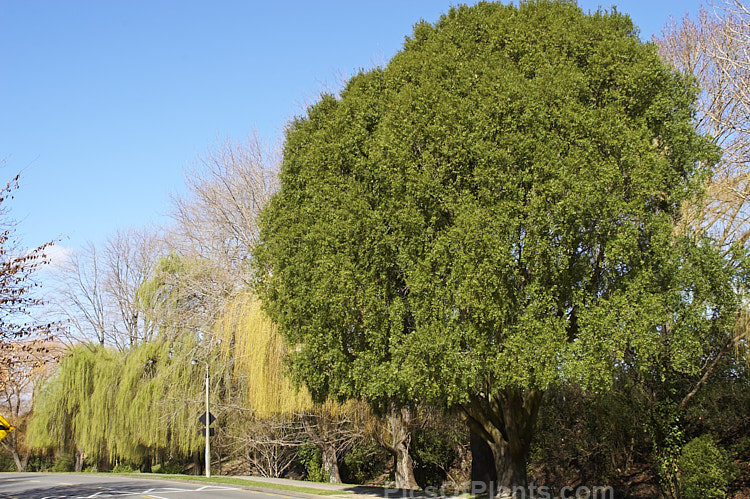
(240, 481)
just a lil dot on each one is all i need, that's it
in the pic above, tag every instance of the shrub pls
(364, 462)
(706, 469)
(123, 468)
(7, 463)
(310, 457)
(170, 468)
(64, 463)
(40, 464)
(435, 446)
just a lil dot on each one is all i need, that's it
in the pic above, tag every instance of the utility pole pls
(206, 419)
(208, 430)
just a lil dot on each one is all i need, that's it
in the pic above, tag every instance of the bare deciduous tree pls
(217, 219)
(97, 289)
(130, 258)
(18, 268)
(81, 298)
(715, 48)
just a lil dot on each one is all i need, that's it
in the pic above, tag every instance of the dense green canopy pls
(491, 214)
(496, 204)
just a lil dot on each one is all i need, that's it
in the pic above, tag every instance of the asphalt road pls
(83, 486)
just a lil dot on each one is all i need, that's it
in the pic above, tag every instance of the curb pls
(287, 494)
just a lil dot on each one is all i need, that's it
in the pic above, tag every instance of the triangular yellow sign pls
(5, 428)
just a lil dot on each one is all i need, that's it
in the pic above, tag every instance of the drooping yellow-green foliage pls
(122, 406)
(158, 401)
(143, 405)
(74, 408)
(258, 354)
(251, 341)
(183, 295)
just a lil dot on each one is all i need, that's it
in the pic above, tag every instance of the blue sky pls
(104, 103)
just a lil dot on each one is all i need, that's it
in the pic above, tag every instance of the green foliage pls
(155, 294)
(116, 405)
(64, 463)
(170, 468)
(6, 461)
(40, 464)
(632, 435)
(123, 468)
(434, 447)
(175, 297)
(494, 208)
(706, 470)
(667, 437)
(74, 406)
(364, 462)
(310, 457)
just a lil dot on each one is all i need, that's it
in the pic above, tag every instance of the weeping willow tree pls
(143, 404)
(158, 401)
(74, 410)
(257, 354)
(105, 405)
(184, 294)
(268, 435)
(283, 414)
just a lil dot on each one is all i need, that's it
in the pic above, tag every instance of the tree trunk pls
(80, 456)
(197, 463)
(405, 469)
(483, 472)
(21, 462)
(399, 424)
(510, 466)
(506, 421)
(330, 463)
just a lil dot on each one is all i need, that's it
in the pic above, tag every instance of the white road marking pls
(146, 493)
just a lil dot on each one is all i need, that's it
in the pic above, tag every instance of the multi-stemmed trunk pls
(397, 444)
(506, 420)
(333, 433)
(21, 461)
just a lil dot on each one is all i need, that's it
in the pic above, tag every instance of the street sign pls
(5, 428)
(210, 432)
(211, 419)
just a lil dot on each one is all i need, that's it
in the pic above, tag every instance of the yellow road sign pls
(5, 428)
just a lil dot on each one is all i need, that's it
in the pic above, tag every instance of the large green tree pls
(490, 214)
